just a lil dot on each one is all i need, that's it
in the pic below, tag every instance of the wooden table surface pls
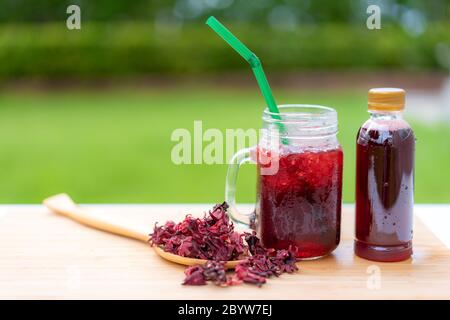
(46, 256)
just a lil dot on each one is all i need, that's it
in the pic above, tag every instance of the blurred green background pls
(90, 112)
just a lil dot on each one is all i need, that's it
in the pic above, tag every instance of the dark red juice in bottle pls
(300, 205)
(385, 180)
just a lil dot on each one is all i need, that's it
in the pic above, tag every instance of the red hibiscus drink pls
(385, 149)
(300, 205)
(299, 190)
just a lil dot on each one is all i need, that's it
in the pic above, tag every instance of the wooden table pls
(46, 256)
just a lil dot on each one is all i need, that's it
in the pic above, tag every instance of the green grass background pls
(114, 145)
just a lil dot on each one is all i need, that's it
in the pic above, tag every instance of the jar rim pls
(304, 111)
(302, 120)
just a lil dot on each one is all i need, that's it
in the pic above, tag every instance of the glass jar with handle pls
(299, 184)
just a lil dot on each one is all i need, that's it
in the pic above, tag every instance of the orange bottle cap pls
(386, 99)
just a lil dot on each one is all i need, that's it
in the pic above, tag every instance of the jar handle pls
(238, 159)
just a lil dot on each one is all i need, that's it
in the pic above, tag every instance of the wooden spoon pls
(64, 205)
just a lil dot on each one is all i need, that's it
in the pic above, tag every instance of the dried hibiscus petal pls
(211, 271)
(213, 238)
(243, 274)
(215, 271)
(254, 244)
(257, 268)
(194, 276)
(253, 270)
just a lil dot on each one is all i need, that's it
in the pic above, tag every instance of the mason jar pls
(299, 181)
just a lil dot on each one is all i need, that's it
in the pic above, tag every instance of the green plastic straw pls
(254, 62)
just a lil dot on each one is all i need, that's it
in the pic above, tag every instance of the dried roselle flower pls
(257, 268)
(237, 245)
(243, 274)
(186, 247)
(162, 233)
(219, 212)
(264, 266)
(215, 271)
(287, 260)
(254, 244)
(213, 238)
(210, 238)
(194, 276)
(253, 270)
